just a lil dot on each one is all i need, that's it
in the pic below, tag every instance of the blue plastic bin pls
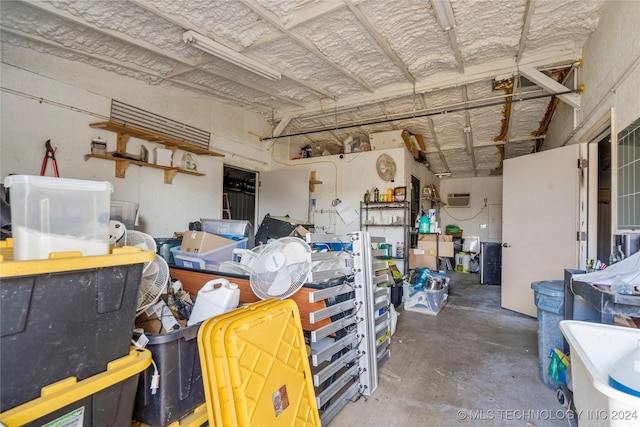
(549, 298)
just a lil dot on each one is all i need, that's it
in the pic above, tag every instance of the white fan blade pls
(151, 270)
(274, 261)
(280, 284)
(295, 253)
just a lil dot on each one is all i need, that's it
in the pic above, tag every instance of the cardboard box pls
(158, 319)
(444, 248)
(162, 157)
(201, 242)
(299, 231)
(419, 258)
(386, 140)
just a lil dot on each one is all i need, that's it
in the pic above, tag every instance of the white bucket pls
(212, 300)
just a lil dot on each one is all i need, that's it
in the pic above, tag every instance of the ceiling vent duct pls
(150, 122)
(458, 200)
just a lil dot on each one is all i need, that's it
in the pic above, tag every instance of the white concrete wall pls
(481, 218)
(611, 75)
(75, 95)
(347, 179)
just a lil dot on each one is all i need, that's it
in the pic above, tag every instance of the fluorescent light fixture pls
(221, 51)
(467, 139)
(444, 12)
(443, 174)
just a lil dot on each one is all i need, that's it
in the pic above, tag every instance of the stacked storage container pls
(67, 308)
(180, 390)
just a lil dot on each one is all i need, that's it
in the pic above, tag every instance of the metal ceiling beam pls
(275, 21)
(381, 41)
(467, 119)
(434, 135)
(528, 16)
(185, 24)
(183, 64)
(472, 75)
(312, 11)
(281, 126)
(546, 82)
(422, 114)
(132, 67)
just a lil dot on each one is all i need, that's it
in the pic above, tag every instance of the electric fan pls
(280, 268)
(247, 260)
(154, 281)
(386, 167)
(140, 240)
(155, 274)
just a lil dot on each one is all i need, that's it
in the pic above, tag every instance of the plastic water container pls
(212, 300)
(423, 225)
(463, 261)
(58, 215)
(549, 299)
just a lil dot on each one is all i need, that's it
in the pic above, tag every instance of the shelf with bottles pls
(384, 205)
(389, 219)
(384, 214)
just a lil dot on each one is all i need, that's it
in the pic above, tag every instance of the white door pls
(540, 223)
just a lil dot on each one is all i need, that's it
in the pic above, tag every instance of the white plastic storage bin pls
(125, 212)
(425, 301)
(58, 215)
(594, 350)
(208, 260)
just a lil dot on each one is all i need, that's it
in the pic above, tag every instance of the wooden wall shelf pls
(122, 164)
(125, 132)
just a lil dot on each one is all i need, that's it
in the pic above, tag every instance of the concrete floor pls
(474, 364)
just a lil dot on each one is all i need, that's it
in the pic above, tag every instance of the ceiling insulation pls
(348, 67)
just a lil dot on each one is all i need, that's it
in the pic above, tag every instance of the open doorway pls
(415, 207)
(604, 199)
(239, 186)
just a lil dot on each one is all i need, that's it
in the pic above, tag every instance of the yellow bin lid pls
(266, 368)
(68, 261)
(67, 391)
(214, 373)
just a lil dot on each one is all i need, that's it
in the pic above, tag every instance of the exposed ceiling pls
(348, 67)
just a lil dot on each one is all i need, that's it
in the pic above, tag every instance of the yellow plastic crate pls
(214, 372)
(69, 395)
(263, 356)
(68, 261)
(197, 418)
(51, 312)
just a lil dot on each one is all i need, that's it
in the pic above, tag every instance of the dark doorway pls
(604, 199)
(414, 207)
(239, 186)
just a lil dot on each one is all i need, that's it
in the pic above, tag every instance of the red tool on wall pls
(49, 154)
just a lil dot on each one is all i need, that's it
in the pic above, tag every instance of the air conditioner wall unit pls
(458, 200)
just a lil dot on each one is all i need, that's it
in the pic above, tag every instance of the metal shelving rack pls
(367, 216)
(346, 353)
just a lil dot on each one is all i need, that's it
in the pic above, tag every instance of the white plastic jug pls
(213, 300)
